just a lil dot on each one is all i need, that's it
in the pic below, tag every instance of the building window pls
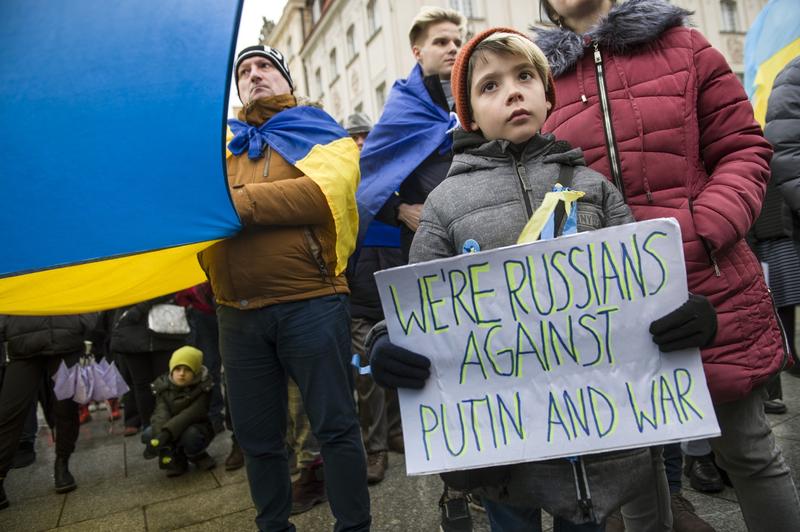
(334, 66)
(359, 108)
(380, 96)
(729, 16)
(351, 41)
(373, 21)
(318, 82)
(464, 7)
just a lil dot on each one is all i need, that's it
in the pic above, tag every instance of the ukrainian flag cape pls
(411, 127)
(311, 140)
(112, 160)
(773, 41)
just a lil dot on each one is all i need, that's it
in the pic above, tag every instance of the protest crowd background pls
(368, 135)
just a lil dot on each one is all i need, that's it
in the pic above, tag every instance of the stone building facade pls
(347, 53)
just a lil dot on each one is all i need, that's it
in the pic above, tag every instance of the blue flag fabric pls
(771, 43)
(293, 133)
(112, 158)
(411, 127)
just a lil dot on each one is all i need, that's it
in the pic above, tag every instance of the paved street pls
(119, 491)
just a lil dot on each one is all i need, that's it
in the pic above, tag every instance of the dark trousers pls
(310, 341)
(205, 337)
(673, 466)
(507, 518)
(144, 368)
(132, 418)
(20, 386)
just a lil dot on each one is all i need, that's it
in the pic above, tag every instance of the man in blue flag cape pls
(282, 293)
(408, 153)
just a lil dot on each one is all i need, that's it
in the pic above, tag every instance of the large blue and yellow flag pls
(311, 140)
(112, 159)
(411, 128)
(772, 41)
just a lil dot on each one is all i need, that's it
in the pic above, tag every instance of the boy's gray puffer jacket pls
(483, 199)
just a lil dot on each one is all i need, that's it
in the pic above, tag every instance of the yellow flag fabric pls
(532, 230)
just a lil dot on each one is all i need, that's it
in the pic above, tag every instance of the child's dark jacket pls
(178, 407)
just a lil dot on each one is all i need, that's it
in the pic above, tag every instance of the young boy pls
(180, 420)
(501, 171)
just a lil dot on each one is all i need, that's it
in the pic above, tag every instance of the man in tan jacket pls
(282, 292)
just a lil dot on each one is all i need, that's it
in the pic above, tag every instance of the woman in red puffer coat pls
(658, 111)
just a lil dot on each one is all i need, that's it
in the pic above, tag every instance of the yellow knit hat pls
(186, 356)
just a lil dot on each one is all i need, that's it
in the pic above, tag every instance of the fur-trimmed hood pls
(626, 26)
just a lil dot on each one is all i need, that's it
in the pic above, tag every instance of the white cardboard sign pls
(542, 350)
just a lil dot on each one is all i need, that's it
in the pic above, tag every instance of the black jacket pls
(783, 131)
(130, 333)
(30, 336)
(178, 407)
(364, 299)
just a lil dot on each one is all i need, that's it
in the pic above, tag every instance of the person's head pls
(261, 72)
(502, 86)
(358, 126)
(436, 36)
(184, 364)
(576, 15)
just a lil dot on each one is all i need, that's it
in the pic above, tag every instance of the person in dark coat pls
(378, 408)
(36, 347)
(778, 228)
(180, 427)
(146, 354)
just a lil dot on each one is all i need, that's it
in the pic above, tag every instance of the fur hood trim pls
(626, 26)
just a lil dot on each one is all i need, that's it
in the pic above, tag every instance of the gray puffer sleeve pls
(431, 241)
(615, 209)
(783, 131)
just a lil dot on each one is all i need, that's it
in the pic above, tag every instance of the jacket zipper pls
(315, 248)
(582, 491)
(520, 169)
(611, 143)
(266, 161)
(786, 349)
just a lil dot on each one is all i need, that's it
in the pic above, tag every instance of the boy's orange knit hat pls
(459, 76)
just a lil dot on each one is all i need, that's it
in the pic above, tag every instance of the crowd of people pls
(623, 102)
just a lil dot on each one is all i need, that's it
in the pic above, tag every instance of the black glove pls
(396, 367)
(693, 324)
(161, 439)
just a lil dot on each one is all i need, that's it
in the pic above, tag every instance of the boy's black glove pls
(693, 324)
(396, 367)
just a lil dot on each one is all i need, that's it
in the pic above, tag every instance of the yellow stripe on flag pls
(765, 78)
(334, 168)
(104, 284)
(532, 229)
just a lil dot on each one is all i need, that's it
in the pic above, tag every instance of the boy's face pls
(507, 98)
(182, 375)
(436, 53)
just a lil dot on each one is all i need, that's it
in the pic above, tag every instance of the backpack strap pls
(565, 174)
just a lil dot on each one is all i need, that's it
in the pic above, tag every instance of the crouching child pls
(180, 428)
(501, 171)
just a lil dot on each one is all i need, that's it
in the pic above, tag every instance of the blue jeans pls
(309, 341)
(205, 337)
(507, 518)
